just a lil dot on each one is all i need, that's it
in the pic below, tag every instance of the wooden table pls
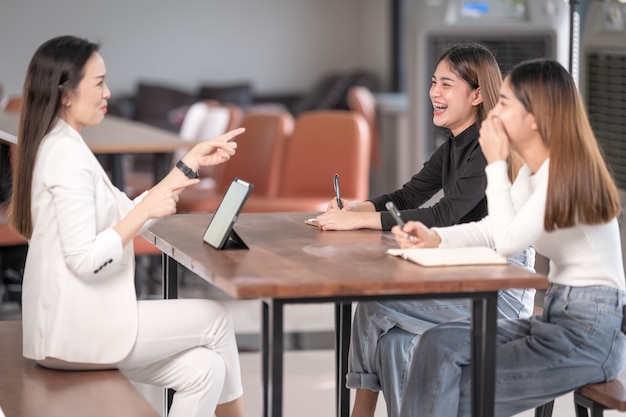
(117, 136)
(290, 262)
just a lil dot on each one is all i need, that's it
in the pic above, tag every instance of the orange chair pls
(202, 120)
(258, 160)
(324, 142)
(13, 104)
(361, 100)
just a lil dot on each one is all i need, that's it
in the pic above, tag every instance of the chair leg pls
(582, 404)
(545, 410)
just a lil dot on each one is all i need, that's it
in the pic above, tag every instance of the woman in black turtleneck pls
(465, 86)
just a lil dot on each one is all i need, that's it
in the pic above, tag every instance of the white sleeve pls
(516, 213)
(70, 183)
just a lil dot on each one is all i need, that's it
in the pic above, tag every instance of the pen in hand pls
(395, 213)
(337, 193)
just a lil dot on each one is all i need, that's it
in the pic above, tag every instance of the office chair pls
(13, 104)
(361, 100)
(258, 160)
(323, 143)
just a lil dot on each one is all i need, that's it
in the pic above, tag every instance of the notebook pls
(220, 233)
(450, 256)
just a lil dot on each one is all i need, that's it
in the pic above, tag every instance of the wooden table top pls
(113, 135)
(289, 259)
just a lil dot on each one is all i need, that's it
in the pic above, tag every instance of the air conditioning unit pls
(603, 85)
(514, 29)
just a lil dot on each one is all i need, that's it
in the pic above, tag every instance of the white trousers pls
(188, 345)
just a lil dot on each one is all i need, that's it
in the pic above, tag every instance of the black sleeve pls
(464, 199)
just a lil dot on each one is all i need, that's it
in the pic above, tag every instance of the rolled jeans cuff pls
(366, 381)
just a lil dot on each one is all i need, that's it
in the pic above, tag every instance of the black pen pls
(395, 213)
(391, 208)
(337, 193)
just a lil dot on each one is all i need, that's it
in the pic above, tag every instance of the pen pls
(337, 194)
(393, 210)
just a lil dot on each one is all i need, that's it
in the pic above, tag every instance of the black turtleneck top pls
(458, 168)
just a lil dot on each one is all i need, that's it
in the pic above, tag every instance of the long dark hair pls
(56, 68)
(581, 188)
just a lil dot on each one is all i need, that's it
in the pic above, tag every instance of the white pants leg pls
(187, 345)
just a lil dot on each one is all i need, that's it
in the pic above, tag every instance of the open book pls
(450, 256)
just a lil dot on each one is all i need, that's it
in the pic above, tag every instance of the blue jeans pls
(577, 340)
(385, 334)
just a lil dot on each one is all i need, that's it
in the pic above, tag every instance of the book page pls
(450, 256)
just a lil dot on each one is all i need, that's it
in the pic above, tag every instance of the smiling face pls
(455, 102)
(87, 105)
(518, 122)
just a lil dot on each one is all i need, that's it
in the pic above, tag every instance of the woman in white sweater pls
(565, 204)
(79, 307)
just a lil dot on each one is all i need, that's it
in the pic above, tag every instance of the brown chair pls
(13, 104)
(202, 120)
(258, 160)
(324, 142)
(361, 100)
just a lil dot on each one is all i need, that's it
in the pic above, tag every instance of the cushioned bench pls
(27, 389)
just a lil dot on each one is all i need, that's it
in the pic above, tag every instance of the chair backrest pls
(361, 100)
(325, 142)
(259, 152)
(203, 121)
(13, 104)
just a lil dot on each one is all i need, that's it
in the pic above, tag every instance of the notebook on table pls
(450, 256)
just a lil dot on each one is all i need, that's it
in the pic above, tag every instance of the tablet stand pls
(234, 241)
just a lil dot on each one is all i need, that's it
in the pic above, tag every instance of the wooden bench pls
(603, 396)
(594, 398)
(27, 389)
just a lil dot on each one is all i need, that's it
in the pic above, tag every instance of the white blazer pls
(78, 296)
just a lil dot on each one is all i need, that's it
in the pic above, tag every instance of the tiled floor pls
(309, 374)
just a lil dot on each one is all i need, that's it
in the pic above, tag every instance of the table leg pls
(265, 351)
(483, 363)
(273, 354)
(117, 170)
(343, 324)
(114, 162)
(169, 278)
(162, 165)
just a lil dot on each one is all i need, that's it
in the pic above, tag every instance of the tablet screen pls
(220, 226)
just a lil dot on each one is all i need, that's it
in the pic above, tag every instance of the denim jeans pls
(577, 340)
(385, 334)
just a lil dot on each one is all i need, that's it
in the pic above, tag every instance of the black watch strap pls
(189, 173)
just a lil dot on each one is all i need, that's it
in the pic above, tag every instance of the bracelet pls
(189, 173)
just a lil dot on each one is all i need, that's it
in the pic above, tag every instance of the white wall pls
(277, 45)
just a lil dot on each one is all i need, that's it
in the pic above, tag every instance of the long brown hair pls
(476, 64)
(581, 188)
(56, 68)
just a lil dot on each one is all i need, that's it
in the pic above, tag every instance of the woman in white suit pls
(79, 305)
